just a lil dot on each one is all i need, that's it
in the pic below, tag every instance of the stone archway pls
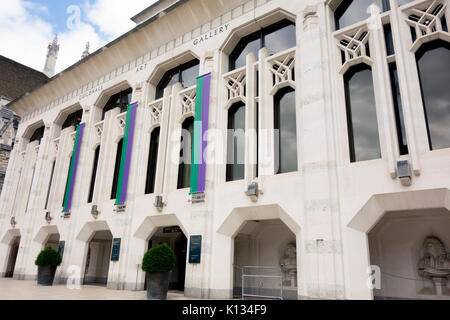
(246, 220)
(12, 240)
(48, 237)
(97, 237)
(406, 218)
(167, 229)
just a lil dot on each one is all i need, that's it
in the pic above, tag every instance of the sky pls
(28, 26)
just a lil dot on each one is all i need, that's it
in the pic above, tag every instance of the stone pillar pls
(250, 121)
(320, 275)
(408, 78)
(383, 94)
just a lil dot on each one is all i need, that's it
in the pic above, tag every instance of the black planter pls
(157, 285)
(46, 275)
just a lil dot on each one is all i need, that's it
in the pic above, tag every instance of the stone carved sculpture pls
(288, 263)
(435, 264)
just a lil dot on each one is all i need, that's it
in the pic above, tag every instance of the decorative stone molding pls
(235, 83)
(121, 120)
(426, 19)
(353, 46)
(282, 67)
(187, 98)
(156, 108)
(310, 17)
(98, 128)
(56, 143)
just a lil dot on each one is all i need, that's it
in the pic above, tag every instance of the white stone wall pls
(330, 204)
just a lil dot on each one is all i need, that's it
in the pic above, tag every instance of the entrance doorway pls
(177, 241)
(265, 261)
(14, 250)
(98, 257)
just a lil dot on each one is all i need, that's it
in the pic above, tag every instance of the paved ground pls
(29, 290)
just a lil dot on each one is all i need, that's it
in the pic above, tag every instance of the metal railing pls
(260, 282)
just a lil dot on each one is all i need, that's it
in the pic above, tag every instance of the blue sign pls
(115, 252)
(61, 246)
(195, 249)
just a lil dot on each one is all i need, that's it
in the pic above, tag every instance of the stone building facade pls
(328, 173)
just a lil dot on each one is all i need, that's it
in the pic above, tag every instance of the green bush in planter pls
(48, 257)
(159, 259)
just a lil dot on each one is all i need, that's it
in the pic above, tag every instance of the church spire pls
(52, 56)
(86, 51)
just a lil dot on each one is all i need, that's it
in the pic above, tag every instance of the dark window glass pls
(389, 41)
(285, 126)
(249, 44)
(152, 162)
(94, 174)
(50, 185)
(186, 73)
(398, 109)
(73, 119)
(38, 134)
(184, 168)
(236, 142)
(352, 11)
(361, 114)
(433, 63)
(120, 100)
(276, 38)
(117, 169)
(402, 2)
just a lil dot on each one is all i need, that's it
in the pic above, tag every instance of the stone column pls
(320, 275)
(250, 121)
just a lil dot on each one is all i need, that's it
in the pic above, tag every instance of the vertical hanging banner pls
(125, 160)
(73, 168)
(198, 166)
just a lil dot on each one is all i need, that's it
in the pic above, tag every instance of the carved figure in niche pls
(436, 261)
(435, 264)
(288, 263)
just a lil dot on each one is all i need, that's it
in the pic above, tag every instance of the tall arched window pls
(433, 64)
(94, 174)
(352, 11)
(152, 161)
(236, 142)
(285, 126)
(185, 73)
(362, 122)
(184, 168)
(38, 134)
(117, 169)
(276, 38)
(120, 100)
(73, 119)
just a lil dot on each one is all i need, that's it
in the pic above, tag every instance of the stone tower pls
(86, 51)
(52, 56)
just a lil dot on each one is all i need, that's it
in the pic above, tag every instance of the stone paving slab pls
(29, 290)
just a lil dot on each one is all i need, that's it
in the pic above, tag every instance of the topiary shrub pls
(159, 259)
(48, 257)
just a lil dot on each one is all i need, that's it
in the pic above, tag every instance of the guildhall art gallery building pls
(282, 148)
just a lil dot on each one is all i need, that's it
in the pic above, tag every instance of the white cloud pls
(26, 33)
(113, 17)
